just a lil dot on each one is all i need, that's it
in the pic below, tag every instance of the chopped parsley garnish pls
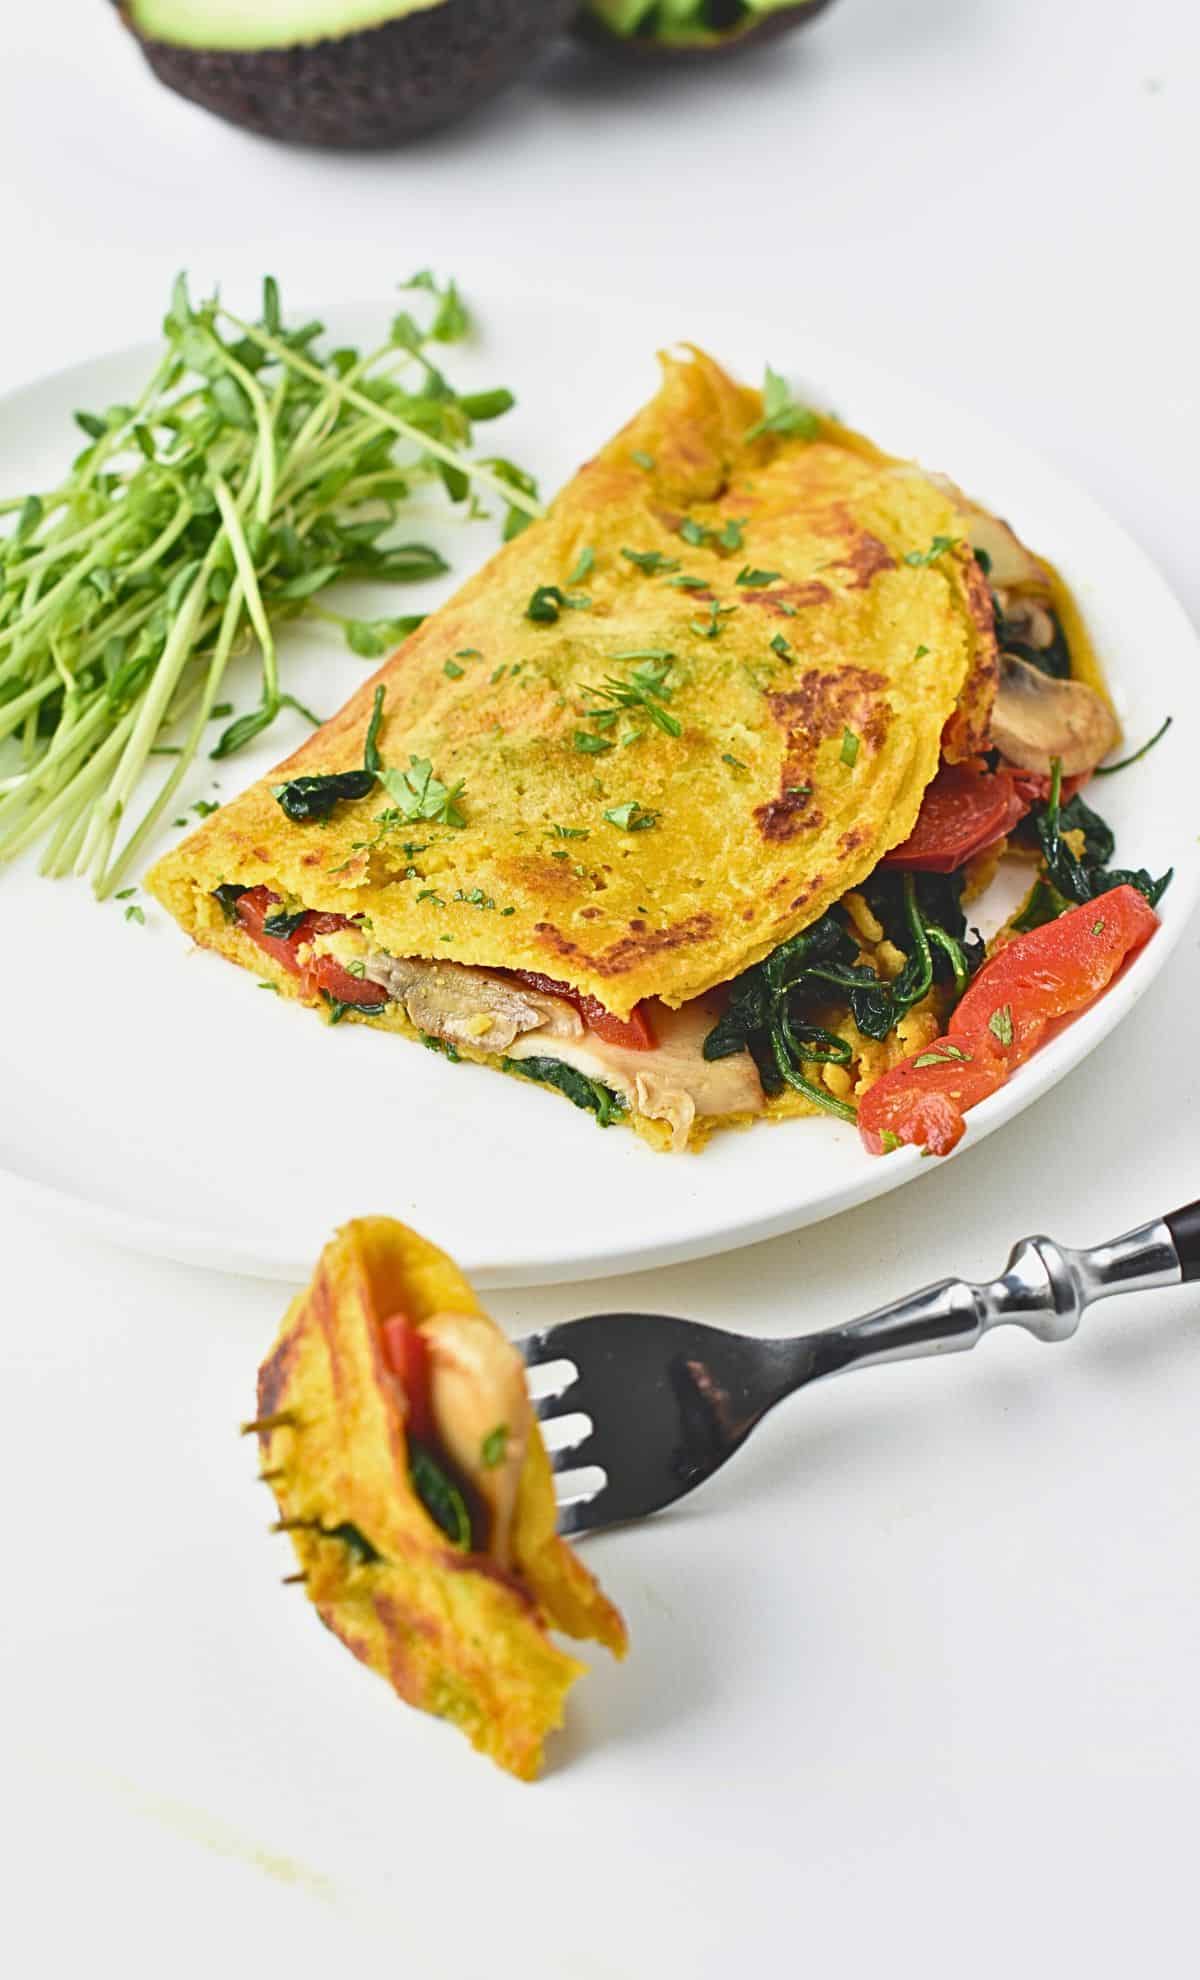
(417, 793)
(944, 1054)
(452, 670)
(125, 894)
(687, 582)
(431, 894)
(134, 913)
(780, 646)
(782, 413)
(711, 628)
(569, 832)
(734, 762)
(647, 688)
(937, 548)
(642, 460)
(1000, 1024)
(584, 565)
(494, 1448)
(590, 745)
(730, 537)
(749, 575)
(632, 817)
(693, 532)
(849, 750)
(920, 653)
(654, 563)
(475, 898)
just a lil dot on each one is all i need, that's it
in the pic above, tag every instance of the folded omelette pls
(670, 726)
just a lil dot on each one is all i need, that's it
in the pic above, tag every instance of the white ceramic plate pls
(156, 1094)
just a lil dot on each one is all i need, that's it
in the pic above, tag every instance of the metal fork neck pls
(1045, 1288)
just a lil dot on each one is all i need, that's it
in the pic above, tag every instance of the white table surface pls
(913, 1687)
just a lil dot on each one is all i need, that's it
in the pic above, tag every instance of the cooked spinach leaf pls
(304, 799)
(279, 922)
(440, 1497)
(357, 1543)
(578, 1088)
(1076, 877)
(227, 897)
(775, 1008)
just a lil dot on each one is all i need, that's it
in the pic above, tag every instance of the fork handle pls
(1045, 1288)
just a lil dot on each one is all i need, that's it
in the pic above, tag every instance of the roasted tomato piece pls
(1052, 972)
(253, 907)
(635, 1032)
(965, 809)
(327, 973)
(407, 1356)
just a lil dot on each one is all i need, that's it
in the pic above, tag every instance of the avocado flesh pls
(342, 74)
(264, 23)
(694, 23)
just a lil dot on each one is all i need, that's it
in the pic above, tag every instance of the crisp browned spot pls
(809, 888)
(748, 914)
(789, 598)
(855, 837)
(819, 707)
(864, 560)
(966, 731)
(786, 816)
(631, 949)
(275, 1373)
(588, 914)
(323, 1310)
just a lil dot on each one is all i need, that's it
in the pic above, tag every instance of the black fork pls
(637, 1409)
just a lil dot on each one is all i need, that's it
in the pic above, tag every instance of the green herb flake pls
(494, 1448)
(749, 575)
(1000, 1024)
(134, 913)
(654, 563)
(920, 653)
(632, 817)
(417, 793)
(125, 894)
(781, 646)
(938, 548)
(1098, 927)
(584, 566)
(849, 749)
(889, 1142)
(452, 670)
(782, 413)
(591, 745)
(944, 1054)
(734, 762)
(569, 832)
(642, 460)
(204, 807)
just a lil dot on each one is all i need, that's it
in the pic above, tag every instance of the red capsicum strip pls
(634, 1032)
(1052, 972)
(966, 809)
(318, 973)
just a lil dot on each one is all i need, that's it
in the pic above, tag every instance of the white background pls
(914, 1684)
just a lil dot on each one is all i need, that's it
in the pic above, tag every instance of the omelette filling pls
(459, 1388)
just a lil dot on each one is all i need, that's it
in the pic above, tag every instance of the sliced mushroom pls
(1009, 562)
(673, 1083)
(481, 1411)
(1036, 718)
(470, 1006)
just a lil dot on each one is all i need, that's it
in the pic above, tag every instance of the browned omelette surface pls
(811, 667)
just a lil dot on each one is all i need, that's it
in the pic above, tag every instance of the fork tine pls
(576, 1487)
(563, 1434)
(546, 1381)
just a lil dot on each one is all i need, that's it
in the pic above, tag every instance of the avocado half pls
(341, 73)
(691, 27)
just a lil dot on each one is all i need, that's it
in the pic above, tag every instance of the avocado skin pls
(376, 87)
(648, 47)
